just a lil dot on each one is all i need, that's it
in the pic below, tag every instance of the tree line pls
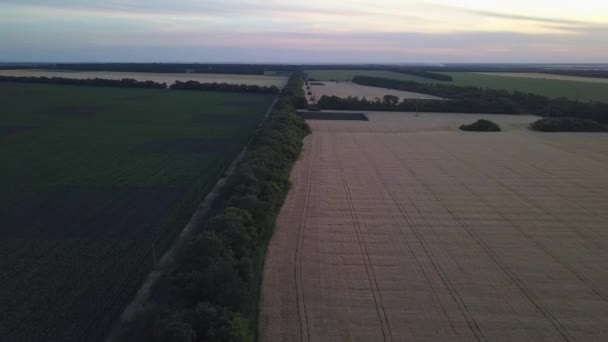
(568, 125)
(222, 68)
(465, 99)
(423, 74)
(238, 88)
(212, 292)
(578, 73)
(131, 83)
(393, 103)
(95, 82)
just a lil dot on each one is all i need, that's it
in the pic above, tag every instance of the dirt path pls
(440, 236)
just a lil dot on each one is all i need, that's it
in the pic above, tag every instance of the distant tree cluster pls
(481, 125)
(568, 125)
(480, 100)
(239, 88)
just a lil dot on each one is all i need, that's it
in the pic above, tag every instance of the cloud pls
(311, 31)
(294, 47)
(524, 17)
(192, 7)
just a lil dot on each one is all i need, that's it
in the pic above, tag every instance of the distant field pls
(347, 75)
(260, 80)
(548, 76)
(345, 89)
(91, 179)
(553, 88)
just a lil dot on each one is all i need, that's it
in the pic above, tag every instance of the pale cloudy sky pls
(311, 31)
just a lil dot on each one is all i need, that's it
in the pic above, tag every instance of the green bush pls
(568, 125)
(481, 125)
(174, 329)
(219, 324)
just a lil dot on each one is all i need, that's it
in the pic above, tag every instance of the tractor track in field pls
(437, 268)
(404, 228)
(512, 276)
(373, 282)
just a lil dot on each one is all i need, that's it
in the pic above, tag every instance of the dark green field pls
(573, 90)
(91, 178)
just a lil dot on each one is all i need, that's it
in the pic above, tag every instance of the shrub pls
(568, 125)
(481, 125)
(174, 329)
(215, 323)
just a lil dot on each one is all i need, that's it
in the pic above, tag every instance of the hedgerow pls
(212, 292)
(567, 125)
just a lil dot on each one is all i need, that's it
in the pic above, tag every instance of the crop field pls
(260, 80)
(345, 89)
(92, 179)
(548, 76)
(553, 88)
(347, 75)
(416, 231)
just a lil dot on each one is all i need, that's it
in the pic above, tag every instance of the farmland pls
(404, 228)
(345, 89)
(548, 76)
(92, 179)
(553, 88)
(168, 78)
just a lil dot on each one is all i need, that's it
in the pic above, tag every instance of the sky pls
(311, 31)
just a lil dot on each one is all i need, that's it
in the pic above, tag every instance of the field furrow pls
(406, 229)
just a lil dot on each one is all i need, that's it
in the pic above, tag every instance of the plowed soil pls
(413, 231)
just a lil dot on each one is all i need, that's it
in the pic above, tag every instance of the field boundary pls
(306, 115)
(201, 214)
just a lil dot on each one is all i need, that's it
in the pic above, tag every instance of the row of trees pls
(393, 103)
(212, 293)
(473, 100)
(131, 83)
(221, 68)
(95, 82)
(239, 88)
(422, 73)
(568, 125)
